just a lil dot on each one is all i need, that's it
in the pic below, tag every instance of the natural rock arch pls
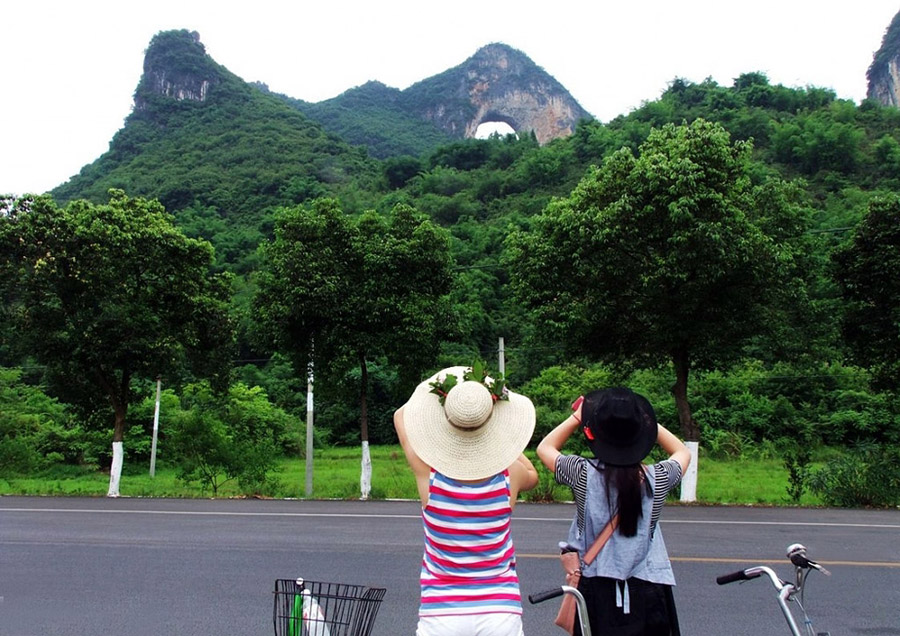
(490, 121)
(498, 83)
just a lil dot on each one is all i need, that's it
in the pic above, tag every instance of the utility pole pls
(155, 429)
(309, 429)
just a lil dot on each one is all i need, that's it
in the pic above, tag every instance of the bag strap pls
(601, 540)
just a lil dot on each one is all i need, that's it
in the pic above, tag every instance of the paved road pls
(151, 567)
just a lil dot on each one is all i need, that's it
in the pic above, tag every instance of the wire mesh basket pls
(314, 608)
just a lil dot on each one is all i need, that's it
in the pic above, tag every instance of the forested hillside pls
(223, 164)
(775, 210)
(373, 116)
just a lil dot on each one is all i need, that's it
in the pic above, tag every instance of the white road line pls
(213, 513)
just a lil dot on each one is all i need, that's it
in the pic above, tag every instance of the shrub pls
(28, 417)
(217, 438)
(868, 475)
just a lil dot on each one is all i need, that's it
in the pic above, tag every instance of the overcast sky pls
(69, 69)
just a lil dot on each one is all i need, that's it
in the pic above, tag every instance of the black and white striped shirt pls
(571, 471)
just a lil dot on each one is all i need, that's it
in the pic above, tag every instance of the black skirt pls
(652, 608)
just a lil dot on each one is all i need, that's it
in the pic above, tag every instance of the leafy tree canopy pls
(102, 294)
(868, 271)
(342, 291)
(659, 258)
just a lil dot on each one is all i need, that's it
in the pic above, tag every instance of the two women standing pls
(463, 437)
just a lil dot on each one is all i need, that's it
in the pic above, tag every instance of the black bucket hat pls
(620, 425)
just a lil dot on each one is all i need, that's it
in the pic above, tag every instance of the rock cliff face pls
(885, 87)
(498, 83)
(176, 66)
(884, 73)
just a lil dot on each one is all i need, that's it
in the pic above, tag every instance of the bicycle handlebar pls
(786, 591)
(546, 595)
(752, 573)
(740, 575)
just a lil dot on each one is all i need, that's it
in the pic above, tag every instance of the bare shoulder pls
(522, 475)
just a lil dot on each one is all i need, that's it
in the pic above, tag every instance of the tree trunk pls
(118, 453)
(118, 398)
(363, 401)
(689, 430)
(365, 477)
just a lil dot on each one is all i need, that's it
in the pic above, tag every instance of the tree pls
(665, 258)
(104, 294)
(236, 436)
(868, 272)
(337, 293)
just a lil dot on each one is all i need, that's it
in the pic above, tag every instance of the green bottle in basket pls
(295, 622)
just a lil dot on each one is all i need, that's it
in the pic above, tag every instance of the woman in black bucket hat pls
(628, 583)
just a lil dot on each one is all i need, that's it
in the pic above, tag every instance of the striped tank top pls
(469, 566)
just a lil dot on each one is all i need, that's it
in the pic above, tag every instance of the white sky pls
(69, 69)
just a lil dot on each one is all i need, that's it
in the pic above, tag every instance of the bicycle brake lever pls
(796, 552)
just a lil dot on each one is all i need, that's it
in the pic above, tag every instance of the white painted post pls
(689, 479)
(365, 476)
(115, 472)
(502, 358)
(155, 430)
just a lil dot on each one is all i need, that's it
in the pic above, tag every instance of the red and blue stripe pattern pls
(469, 566)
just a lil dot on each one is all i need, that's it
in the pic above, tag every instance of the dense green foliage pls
(375, 117)
(104, 295)
(670, 257)
(214, 438)
(338, 293)
(868, 271)
(762, 223)
(31, 425)
(865, 476)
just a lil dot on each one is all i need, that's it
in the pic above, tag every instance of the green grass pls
(336, 476)
(746, 481)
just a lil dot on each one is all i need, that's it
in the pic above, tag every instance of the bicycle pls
(787, 592)
(581, 613)
(315, 608)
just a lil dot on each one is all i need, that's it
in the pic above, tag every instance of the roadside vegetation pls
(336, 476)
(731, 252)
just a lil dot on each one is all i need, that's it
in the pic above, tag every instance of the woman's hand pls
(549, 448)
(674, 447)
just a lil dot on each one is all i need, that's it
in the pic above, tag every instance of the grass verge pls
(336, 476)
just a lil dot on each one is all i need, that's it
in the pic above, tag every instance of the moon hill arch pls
(497, 84)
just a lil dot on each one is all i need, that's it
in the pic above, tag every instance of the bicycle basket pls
(313, 608)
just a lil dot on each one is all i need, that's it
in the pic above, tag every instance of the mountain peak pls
(176, 66)
(498, 84)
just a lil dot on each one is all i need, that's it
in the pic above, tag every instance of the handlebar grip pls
(740, 575)
(546, 595)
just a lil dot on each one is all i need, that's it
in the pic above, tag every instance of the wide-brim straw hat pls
(471, 436)
(622, 423)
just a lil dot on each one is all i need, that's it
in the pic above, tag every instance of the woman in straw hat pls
(628, 583)
(463, 435)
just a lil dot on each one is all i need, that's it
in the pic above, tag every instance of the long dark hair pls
(629, 485)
